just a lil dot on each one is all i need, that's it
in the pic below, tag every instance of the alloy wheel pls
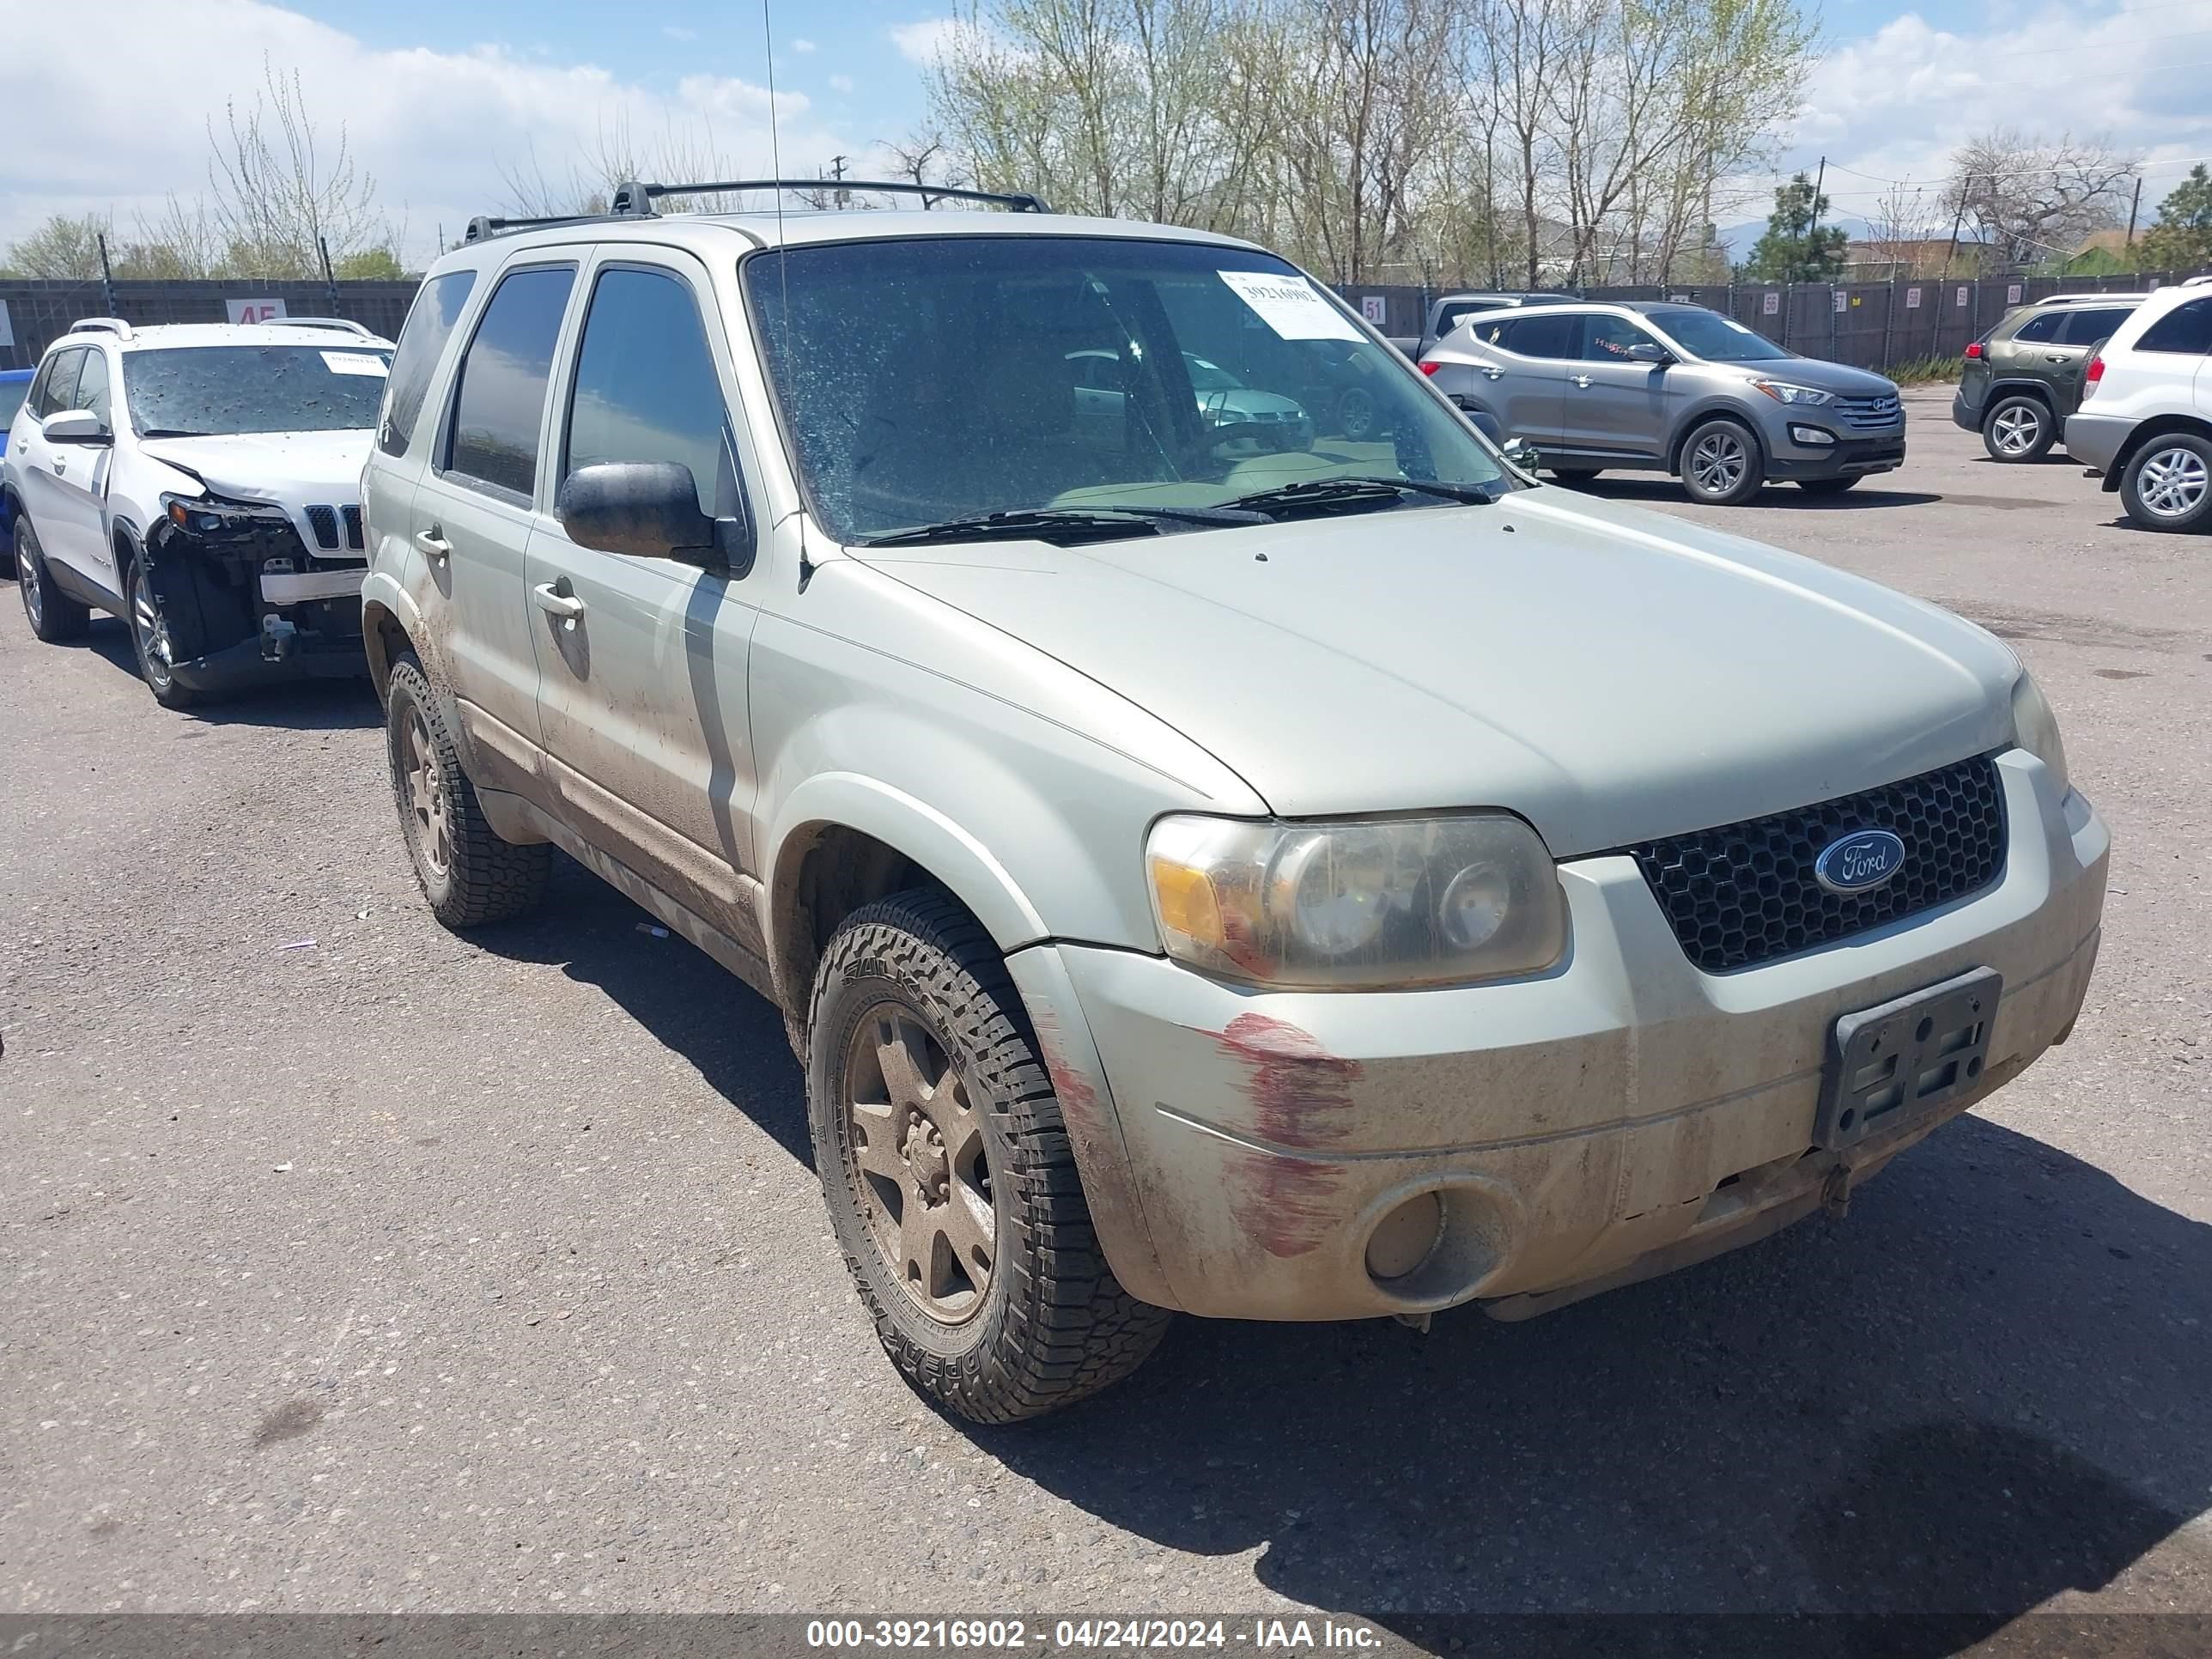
(27, 582)
(429, 812)
(152, 630)
(2016, 429)
(2172, 483)
(1718, 461)
(915, 1155)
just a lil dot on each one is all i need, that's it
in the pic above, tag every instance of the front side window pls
(1606, 339)
(57, 382)
(1716, 339)
(430, 322)
(92, 394)
(2187, 329)
(923, 380)
(2092, 324)
(498, 406)
(646, 387)
(198, 392)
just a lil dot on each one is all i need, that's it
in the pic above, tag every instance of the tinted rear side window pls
(1542, 336)
(501, 400)
(2096, 323)
(2187, 329)
(2044, 328)
(645, 389)
(429, 324)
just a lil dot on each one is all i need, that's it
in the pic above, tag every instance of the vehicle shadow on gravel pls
(1991, 1383)
(337, 705)
(1654, 487)
(687, 1001)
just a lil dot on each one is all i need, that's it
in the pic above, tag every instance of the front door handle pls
(1582, 380)
(551, 597)
(1495, 373)
(430, 542)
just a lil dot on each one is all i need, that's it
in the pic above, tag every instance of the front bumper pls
(247, 603)
(316, 640)
(1619, 1115)
(1852, 454)
(2096, 441)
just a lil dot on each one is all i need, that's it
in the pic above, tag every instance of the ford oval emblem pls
(1859, 862)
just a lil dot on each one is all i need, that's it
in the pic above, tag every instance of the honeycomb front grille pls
(326, 524)
(1745, 893)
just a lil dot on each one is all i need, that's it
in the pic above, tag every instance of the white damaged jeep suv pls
(1300, 883)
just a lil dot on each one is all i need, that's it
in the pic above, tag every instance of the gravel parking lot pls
(351, 1266)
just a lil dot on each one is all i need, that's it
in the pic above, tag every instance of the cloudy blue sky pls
(437, 94)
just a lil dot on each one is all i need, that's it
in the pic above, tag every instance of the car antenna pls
(782, 252)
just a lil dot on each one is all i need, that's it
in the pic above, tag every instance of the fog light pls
(1405, 1238)
(1810, 435)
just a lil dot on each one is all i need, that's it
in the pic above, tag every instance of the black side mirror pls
(1645, 351)
(650, 510)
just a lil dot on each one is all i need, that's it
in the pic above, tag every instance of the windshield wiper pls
(172, 431)
(1061, 526)
(1325, 493)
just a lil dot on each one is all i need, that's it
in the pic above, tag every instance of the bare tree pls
(278, 190)
(64, 248)
(2035, 199)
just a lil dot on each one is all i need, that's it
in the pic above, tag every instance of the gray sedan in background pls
(1668, 388)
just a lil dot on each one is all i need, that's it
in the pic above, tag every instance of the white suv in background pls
(2146, 416)
(203, 482)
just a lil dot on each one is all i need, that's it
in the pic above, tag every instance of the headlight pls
(1783, 392)
(1386, 902)
(2035, 728)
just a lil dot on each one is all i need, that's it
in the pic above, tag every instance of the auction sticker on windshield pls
(354, 362)
(1290, 305)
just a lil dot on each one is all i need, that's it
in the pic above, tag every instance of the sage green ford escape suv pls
(1318, 882)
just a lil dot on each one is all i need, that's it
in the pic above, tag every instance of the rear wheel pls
(2019, 429)
(55, 618)
(947, 1172)
(466, 872)
(1722, 464)
(2168, 484)
(1828, 486)
(149, 638)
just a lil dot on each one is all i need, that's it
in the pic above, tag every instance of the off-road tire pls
(2008, 414)
(54, 617)
(1747, 479)
(1829, 486)
(1054, 1325)
(485, 878)
(2185, 459)
(161, 681)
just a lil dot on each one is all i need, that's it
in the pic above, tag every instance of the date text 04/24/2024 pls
(1285, 1636)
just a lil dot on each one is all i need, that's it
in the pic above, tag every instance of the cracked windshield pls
(1118, 388)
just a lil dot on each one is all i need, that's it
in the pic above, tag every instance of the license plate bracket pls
(1890, 1064)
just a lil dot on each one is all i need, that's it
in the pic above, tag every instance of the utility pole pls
(837, 172)
(2134, 208)
(330, 282)
(107, 278)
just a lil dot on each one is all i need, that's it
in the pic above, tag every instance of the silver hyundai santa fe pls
(1308, 883)
(1669, 388)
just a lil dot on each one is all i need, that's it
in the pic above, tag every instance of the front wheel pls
(2018, 429)
(467, 873)
(1722, 464)
(1355, 415)
(2168, 484)
(946, 1168)
(150, 640)
(54, 617)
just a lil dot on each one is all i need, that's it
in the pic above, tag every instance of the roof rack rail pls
(485, 226)
(343, 324)
(635, 200)
(114, 326)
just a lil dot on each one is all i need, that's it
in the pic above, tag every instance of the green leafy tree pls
(2182, 238)
(1797, 247)
(65, 247)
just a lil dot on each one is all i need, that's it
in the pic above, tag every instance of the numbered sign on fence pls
(2012, 295)
(1912, 299)
(254, 311)
(1843, 299)
(1771, 304)
(1962, 296)
(1375, 308)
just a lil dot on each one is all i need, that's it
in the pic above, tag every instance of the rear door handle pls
(1495, 373)
(430, 542)
(550, 600)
